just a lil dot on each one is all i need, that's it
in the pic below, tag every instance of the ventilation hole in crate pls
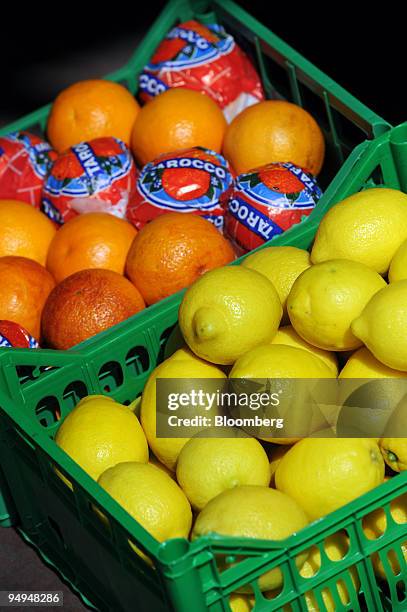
(48, 411)
(398, 509)
(401, 591)
(111, 376)
(75, 391)
(336, 546)
(62, 477)
(315, 105)
(138, 359)
(165, 336)
(309, 562)
(101, 517)
(374, 524)
(272, 595)
(57, 531)
(343, 592)
(142, 555)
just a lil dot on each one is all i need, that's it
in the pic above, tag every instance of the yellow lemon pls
(99, 433)
(228, 311)
(240, 603)
(327, 297)
(367, 227)
(398, 266)
(375, 525)
(324, 474)
(367, 405)
(394, 451)
(288, 336)
(151, 497)
(277, 361)
(208, 466)
(182, 364)
(362, 364)
(382, 325)
(281, 265)
(253, 512)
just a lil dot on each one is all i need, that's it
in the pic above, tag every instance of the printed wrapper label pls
(207, 59)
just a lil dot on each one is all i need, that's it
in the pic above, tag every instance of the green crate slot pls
(60, 521)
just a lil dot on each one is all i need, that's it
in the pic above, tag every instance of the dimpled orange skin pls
(179, 118)
(85, 304)
(172, 251)
(91, 109)
(25, 286)
(274, 131)
(92, 240)
(24, 231)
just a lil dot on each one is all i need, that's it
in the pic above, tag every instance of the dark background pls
(45, 49)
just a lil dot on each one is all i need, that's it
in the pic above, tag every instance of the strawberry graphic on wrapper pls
(267, 201)
(196, 181)
(94, 176)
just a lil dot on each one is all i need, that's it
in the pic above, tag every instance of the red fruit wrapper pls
(195, 180)
(14, 335)
(25, 160)
(94, 176)
(207, 59)
(267, 201)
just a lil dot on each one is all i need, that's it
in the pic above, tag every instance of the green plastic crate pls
(99, 562)
(285, 73)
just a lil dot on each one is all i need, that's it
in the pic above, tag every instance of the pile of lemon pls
(283, 313)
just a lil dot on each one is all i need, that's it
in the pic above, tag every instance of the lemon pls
(208, 466)
(228, 311)
(182, 364)
(327, 297)
(394, 451)
(151, 497)
(324, 474)
(288, 336)
(375, 525)
(253, 512)
(382, 325)
(240, 603)
(281, 362)
(99, 433)
(281, 265)
(398, 266)
(367, 227)
(375, 400)
(362, 364)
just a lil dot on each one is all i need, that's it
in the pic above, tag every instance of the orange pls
(274, 131)
(25, 285)
(24, 231)
(92, 240)
(172, 251)
(177, 119)
(91, 109)
(85, 304)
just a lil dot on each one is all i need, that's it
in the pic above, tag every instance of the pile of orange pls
(96, 270)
